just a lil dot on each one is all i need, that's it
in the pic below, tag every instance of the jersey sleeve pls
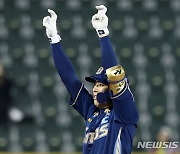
(65, 69)
(124, 106)
(123, 103)
(83, 102)
(108, 56)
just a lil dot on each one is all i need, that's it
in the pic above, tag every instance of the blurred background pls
(34, 111)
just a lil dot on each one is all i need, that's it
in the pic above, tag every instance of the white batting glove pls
(100, 21)
(51, 30)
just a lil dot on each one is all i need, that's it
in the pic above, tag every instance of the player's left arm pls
(100, 23)
(121, 96)
(119, 91)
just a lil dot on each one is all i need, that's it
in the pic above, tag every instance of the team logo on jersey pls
(107, 111)
(100, 132)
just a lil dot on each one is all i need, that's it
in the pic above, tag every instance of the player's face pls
(98, 87)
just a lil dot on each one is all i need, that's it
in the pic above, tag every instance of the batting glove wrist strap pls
(100, 21)
(54, 39)
(102, 32)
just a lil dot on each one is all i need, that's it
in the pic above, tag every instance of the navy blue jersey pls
(108, 131)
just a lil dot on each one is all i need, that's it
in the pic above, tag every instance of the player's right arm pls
(62, 62)
(80, 98)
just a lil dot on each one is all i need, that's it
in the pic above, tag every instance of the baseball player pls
(109, 112)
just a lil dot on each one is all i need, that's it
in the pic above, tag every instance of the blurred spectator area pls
(145, 35)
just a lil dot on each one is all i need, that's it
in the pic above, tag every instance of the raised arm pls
(118, 88)
(100, 23)
(62, 63)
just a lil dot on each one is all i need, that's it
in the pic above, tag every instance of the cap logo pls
(99, 71)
